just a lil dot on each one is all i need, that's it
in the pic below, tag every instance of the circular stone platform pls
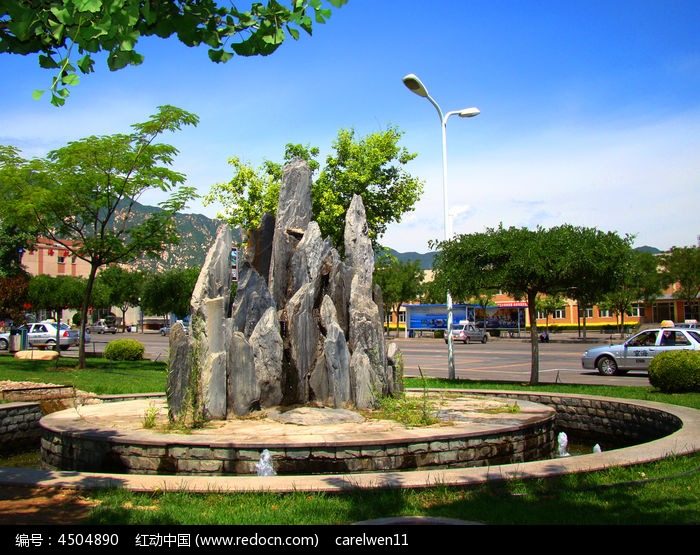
(473, 430)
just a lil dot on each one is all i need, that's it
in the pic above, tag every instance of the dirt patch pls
(32, 505)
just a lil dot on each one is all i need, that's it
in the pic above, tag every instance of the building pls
(52, 259)
(511, 315)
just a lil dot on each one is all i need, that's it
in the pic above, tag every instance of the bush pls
(124, 349)
(676, 371)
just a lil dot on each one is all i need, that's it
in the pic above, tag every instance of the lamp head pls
(415, 85)
(469, 112)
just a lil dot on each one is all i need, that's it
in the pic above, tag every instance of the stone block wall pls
(615, 421)
(19, 426)
(527, 443)
(618, 423)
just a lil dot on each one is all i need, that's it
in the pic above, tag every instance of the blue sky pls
(590, 110)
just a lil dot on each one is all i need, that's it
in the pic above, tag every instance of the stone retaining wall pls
(19, 421)
(611, 422)
(19, 426)
(608, 421)
(529, 442)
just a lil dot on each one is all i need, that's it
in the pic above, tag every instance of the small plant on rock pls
(150, 417)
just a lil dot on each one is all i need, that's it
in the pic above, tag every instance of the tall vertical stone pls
(243, 386)
(252, 299)
(260, 245)
(179, 375)
(214, 365)
(293, 217)
(368, 366)
(215, 278)
(303, 339)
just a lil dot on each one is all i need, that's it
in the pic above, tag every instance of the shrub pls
(676, 371)
(124, 349)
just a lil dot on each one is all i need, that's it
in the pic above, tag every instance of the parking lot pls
(500, 359)
(509, 360)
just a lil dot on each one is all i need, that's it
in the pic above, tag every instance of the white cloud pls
(636, 177)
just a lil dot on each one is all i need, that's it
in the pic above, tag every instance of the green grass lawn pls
(101, 376)
(665, 492)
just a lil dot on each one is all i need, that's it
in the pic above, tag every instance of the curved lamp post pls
(416, 86)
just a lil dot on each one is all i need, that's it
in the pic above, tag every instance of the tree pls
(548, 304)
(82, 196)
(59, 31)
(526, 263)
(639, 280)
(169, 292)
(400, 282)
(14, 238)
(251, 192)
(13, 297)
(371, 167)
(123, 288)
(682, 268)
(56, 294)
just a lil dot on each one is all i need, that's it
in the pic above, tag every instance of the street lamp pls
(416, 86)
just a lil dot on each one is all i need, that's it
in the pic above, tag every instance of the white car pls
(43, 335)
(636, 353)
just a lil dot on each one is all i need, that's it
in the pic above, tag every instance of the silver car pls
(636, 353)
(467, 332)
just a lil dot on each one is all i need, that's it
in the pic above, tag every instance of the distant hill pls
(426, 260)
(198, 233)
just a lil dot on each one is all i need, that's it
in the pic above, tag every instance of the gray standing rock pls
(243, 387)
(268, 351)
(178, 385)
(303, 339)
(252, 300)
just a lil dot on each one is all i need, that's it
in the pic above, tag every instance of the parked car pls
(690, 325)
(636, 353)
(466, 332)
(165, 330)
(101, 326)
(43, 335)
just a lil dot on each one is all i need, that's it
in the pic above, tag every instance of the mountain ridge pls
(197, 233)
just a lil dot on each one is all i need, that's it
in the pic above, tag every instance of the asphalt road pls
(500, 359)
(509, 360)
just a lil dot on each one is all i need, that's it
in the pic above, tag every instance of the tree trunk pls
(534, 340)
(398, 312)
(83, 313)
(622, 324)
